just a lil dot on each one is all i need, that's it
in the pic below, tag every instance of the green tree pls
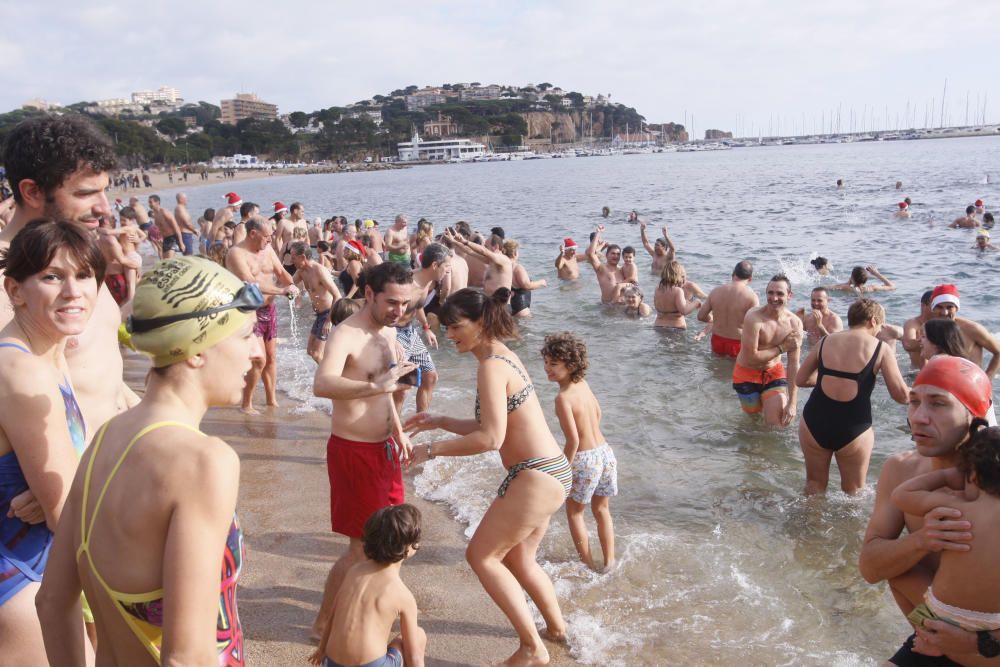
(298, 119)
(172, 126)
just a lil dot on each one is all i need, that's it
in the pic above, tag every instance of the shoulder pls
(31, 375)
(901, 466)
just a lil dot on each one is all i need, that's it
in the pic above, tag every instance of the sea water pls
(721, 558)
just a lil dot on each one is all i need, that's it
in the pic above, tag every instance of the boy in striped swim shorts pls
(595, 470)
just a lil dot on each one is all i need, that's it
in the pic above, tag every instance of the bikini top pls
(518, 398)
(143, 612)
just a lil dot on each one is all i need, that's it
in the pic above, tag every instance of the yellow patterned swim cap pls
(178, 287)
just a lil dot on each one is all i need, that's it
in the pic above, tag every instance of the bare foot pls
(525, 657)
(610, 565)
(556, 636)
(272, 404)
(250, 411)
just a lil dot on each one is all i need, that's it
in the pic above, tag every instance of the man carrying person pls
(726, 307)
(608, 275)
(821, 321)
(323, 293)
(254, 261)
(759, 377)
(397, 241)
(169, 229)
(913, 330)
(662, 251)
(567, 267)
(188, 233)
(945, 305)
(248, 211)
(223, 222)
(359, 373)
(950, 397)
(290, 229)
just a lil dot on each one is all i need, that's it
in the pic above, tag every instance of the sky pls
(754, 66)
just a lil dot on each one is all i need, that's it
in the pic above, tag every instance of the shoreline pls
(284, 512)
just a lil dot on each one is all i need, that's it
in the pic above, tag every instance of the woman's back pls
(845, 354)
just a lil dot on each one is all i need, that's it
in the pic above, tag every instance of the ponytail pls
(492, 311)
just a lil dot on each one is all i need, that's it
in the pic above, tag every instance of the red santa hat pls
(569, 243)
(355, 247)
(280, 208)
(233, 199)
(903, 206)
(979, 203)
(946, 293)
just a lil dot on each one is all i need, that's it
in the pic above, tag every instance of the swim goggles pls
(249, 298)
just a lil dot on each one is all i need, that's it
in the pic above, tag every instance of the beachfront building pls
(247, 105)
(418, 150)
(444, 126)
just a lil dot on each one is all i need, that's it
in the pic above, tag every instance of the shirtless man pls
(458, 277)
(248, 211)
(254, 261)
(285, 234)
(359, 372)
(759, 377)
(662, 251)
(205, 224)
(980, 207)
(913, 330)
(476, 264)
(821, 321)
(141, 214)
(188, 233)
(969, 221)
(945, 305)
(499, 268)
(903, 212)
(371, 230)
(947, 398)
(58, 168)
(224, 217)
(608, 275)
(726, 307)
(315, 232)
(323, 292)
(567, 268)
(169, 229)
(435, 265)
(397, 241)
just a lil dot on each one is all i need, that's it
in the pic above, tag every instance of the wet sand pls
(284, 511)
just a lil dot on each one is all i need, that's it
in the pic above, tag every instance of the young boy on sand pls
(595, 470)
(966, 587)
(373, 595)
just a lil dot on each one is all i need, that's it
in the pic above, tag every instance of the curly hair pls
(390, 532)
(48, 149)
(568, 349)
(981, 455)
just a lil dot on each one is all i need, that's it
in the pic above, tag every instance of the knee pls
(574, 509)
(601, 512)
(429, 379)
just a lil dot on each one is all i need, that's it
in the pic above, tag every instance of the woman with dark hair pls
(508, 419)
(152, 509)
(942, 337)
(52, 275)
(821, 264)
(859, 281)
(837, 418)
(522, 284)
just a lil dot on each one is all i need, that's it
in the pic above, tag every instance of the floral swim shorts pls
(595, 473)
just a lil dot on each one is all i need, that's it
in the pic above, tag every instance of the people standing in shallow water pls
(595, 469)
(726, 307)
(672, 305)
(566, 264)
(52, 275)
(837, 419)
(662, 250)
(522, 284)
(820, 321)
(153, 503)
(508, 419)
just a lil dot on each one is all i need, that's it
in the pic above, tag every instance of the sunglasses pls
(248, 299)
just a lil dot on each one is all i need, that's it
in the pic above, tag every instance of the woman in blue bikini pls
(52, 272)
(508, 418)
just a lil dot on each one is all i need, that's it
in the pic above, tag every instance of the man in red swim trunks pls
(359, 371)
(759, 377)
(726, 306)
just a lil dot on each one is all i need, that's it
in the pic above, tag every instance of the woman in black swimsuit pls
(837, 418)
(523, 285)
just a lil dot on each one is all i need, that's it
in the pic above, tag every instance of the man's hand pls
(642, 226)
(405, 448)
(944, 530)
(600, 229)
(793, 340)
(387, 381)
(25, 506)
(291, 291)
(940, 637)
(431, 338)
(788, 414)
(420, 422)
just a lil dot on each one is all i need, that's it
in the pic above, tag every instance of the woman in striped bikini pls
(508, 418)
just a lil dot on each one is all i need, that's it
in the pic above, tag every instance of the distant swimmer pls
(840, 184)
(988, 221)
(945, 305)
(670, 300)
(913, 330)
(633, 216)
(980, 207)
(567, 268)
(904, 210)
(859, 281)
(821, 321)
(899, 185)
(726, 307)
(822, 265)
(759, 377)
(983, 242)
(662, 250)
(608, 275)
(968, 221)
(605, 212)
(634, 305)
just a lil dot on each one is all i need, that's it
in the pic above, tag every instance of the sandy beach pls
(285, 515)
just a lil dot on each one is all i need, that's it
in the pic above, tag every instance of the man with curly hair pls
(595, 470)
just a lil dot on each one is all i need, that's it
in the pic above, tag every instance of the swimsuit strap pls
(511, 364)
(16, 346)
(823, 370)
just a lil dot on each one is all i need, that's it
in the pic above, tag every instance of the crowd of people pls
(77, 442)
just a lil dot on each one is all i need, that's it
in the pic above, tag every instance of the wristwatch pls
(988, 645)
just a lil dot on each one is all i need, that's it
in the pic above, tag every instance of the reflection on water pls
(722, 560)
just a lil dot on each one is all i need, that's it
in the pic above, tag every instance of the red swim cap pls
(962, 379)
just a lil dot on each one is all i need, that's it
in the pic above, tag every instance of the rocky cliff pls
(570, 126)
(713, 135)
